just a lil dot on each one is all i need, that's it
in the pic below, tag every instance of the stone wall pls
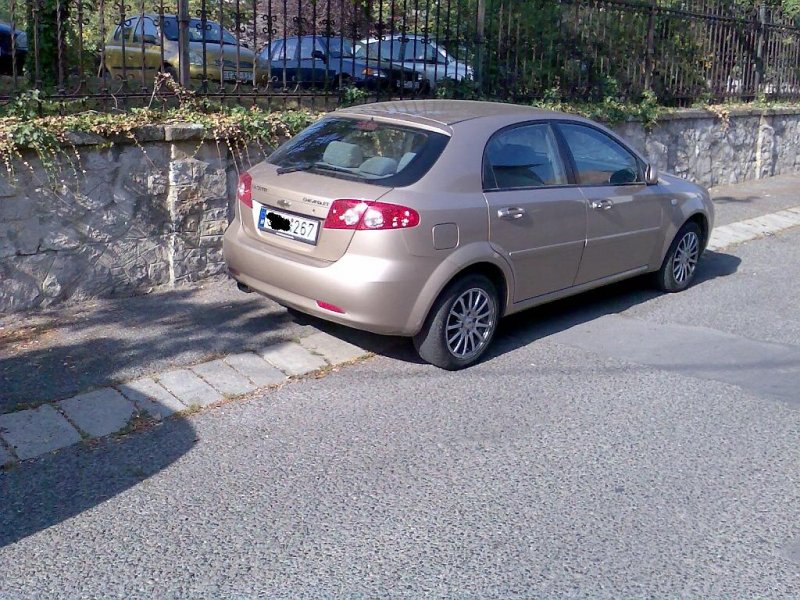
(712, 150)
(133, 217)
(136, 217)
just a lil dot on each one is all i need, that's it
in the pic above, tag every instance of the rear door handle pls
(602, 204)
(511, 212)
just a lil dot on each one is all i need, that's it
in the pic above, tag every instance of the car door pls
(536, 218)
(624, 215)
(146, 49)
(116, 48)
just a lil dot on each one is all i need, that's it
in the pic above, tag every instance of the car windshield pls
(213, 32)
(362, 150)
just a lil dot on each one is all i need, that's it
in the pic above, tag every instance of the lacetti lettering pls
(315, 201)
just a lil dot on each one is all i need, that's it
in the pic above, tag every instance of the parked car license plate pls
(288, 225)
(243, 75)
(409, 85)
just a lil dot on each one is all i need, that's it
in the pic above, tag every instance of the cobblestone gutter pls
(152, 214)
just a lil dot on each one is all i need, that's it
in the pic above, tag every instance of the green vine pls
(48, 129)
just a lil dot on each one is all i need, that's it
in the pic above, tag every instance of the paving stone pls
(151, 397)
(35, 432)
(224, 378)
(749, 229)
(776, 222)
(5, 456)
(189, 388)
(256, 369)
(292, 358)
(100, 412)
(332, 348)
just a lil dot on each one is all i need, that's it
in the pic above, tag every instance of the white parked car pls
(419, 53)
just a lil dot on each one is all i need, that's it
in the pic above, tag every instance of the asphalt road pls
(620, 444)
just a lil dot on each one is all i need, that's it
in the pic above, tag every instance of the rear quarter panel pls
(452, 193)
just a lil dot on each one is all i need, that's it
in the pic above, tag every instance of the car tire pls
(680, 264)
(469, 308)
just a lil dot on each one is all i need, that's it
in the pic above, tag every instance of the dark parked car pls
(11, 54)
(316, 60)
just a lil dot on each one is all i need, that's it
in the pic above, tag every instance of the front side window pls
(386, 50)
(523, 157)
(339, 48)
(208, 31)
(150, 30)
(600, 159)
(123, 30)
(417, 50)
(361, 150)
(307, 48)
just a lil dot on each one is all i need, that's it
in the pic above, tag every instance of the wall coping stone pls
(181, 132)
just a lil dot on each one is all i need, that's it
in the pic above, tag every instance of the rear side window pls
(362, 150)
(600, 159)
(523, 157)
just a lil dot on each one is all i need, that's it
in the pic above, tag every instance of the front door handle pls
(511, 212)
(602, 204)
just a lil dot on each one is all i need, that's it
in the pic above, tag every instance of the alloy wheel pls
(470, 323)
(685, 259)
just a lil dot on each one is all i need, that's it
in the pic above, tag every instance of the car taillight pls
(245, 189)
(366, 215)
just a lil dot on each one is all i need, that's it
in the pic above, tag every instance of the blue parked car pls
(318, 61)
(20, 49)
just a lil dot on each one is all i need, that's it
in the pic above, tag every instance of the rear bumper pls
(377, 294)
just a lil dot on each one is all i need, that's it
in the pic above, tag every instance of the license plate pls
(409, 85)
(243, 75)
(288, 225)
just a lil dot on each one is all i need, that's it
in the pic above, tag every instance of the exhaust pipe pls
(243, 288)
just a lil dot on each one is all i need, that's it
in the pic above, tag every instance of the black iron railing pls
(121, 51)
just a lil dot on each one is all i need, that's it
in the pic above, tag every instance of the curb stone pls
(37, 431)
(292, 358)
(151, 397)
(751, 229)
(33, 432)
(98, 413)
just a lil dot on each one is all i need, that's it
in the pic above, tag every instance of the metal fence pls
(113, 51)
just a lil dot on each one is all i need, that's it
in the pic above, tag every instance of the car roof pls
(447, 112)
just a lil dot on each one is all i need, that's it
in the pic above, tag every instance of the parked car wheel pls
(680, 263)
(461, 324)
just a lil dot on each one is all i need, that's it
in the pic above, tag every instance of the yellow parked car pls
(149, 43)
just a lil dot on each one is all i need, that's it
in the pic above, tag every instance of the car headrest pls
(514, 155)
(379, 165)
(405, 159)
(342, 154)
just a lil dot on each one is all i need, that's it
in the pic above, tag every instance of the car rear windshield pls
(361, 150)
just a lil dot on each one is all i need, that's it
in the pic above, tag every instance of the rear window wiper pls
(309, 166)
(293, 168)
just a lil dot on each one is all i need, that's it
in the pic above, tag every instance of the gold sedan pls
(147, 44)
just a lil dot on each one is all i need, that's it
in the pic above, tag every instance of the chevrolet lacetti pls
(434, 218)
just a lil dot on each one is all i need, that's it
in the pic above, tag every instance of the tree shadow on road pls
(57, 353)
(45, 491)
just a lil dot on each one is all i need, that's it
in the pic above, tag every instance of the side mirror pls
(149, 38)
(320, 55)
(650, 174)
